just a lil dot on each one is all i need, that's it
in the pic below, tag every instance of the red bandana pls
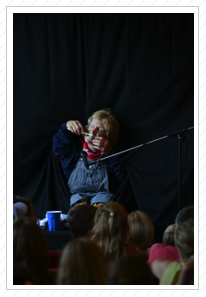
(91, 155)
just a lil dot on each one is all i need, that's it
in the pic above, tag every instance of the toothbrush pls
(88, 134)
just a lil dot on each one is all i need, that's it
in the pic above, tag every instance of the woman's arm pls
(75, 127)
(64, 141)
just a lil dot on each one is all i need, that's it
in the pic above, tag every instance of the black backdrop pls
(67, 66)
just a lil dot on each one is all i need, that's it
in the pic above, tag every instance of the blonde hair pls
(141, 229)
(110, 229)
(82, 263)
(111, 125)
(168, 236)
(184, 239)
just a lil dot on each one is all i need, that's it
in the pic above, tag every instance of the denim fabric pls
(67, 147)
(101, 197)
(89, 183)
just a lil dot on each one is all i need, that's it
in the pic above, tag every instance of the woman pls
(89, 183)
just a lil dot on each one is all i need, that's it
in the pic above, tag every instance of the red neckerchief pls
(91, 155)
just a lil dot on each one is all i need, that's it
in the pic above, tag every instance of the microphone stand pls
(180, 138)
(143, 144)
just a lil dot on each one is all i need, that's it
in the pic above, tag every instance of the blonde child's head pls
(141, 230)
(111, 229)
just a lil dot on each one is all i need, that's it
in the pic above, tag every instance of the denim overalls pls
(91, 184)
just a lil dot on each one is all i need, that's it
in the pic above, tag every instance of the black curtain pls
(66, 66)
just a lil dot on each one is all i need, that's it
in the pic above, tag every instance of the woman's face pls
(97, 128)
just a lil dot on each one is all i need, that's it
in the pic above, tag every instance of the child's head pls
(110, 229)
(168, 236)
(184, 239)
(130, 270)
(185, 214)
(141, 229)
(81, 219)
(30, 248)
(17, 200)
(82, 263)
(110, 123)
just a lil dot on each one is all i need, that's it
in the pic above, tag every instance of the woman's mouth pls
(87, 139)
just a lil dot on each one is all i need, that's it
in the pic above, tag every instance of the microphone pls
(83, 155)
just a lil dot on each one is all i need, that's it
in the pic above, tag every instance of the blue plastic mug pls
(53, 220)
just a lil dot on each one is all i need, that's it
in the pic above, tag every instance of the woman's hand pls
(101, 144)
(75, 127)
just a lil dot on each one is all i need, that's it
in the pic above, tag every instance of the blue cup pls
(53, 219)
